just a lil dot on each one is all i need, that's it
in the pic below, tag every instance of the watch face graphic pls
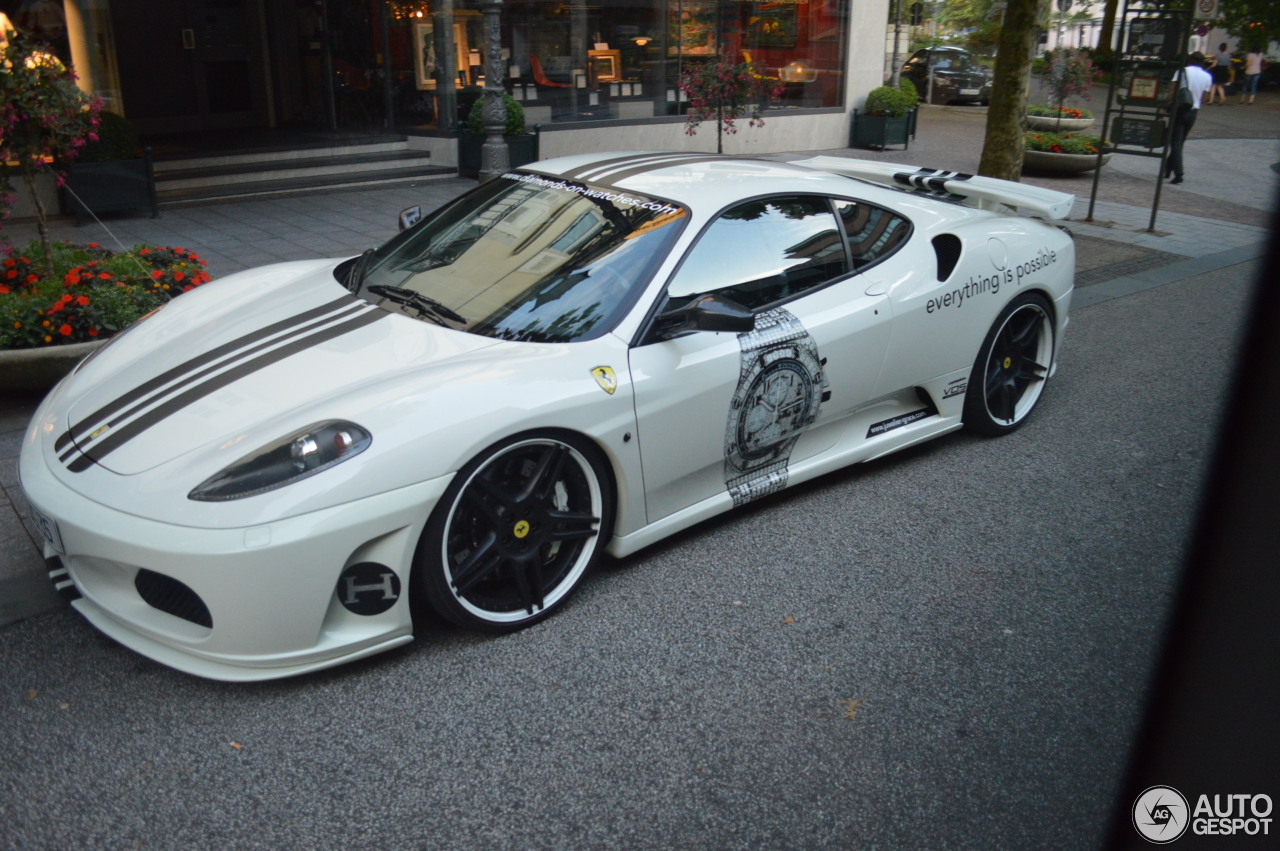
(780, 388)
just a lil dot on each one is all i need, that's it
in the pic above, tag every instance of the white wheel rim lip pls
(1044, 355)
(571, 578)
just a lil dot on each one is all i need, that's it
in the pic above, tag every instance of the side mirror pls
(710, 312)
(410, 217)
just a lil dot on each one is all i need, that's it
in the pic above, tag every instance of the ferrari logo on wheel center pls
(521, 529)
(1008, 362)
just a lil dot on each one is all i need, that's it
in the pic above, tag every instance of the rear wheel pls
(1013, 364)
(515, 532)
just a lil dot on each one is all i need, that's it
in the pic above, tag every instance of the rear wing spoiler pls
(985, 193)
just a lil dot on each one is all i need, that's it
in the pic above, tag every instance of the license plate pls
(48, 528)
(970, 91)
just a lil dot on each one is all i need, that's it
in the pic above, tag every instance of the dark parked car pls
(957, 76)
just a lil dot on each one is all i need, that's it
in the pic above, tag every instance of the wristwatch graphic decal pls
(781, 385)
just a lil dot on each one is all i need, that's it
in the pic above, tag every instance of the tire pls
(515, 532)
(1013, 364)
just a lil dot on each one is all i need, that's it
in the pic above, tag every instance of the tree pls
(1002, 148)
(979, 20)
(723, 92)
(44, 118)
(1107, 32)
(1256, 22)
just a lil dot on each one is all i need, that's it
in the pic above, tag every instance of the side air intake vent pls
(169, 595)
(947, 247)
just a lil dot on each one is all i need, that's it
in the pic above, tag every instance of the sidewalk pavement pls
(1220, 216)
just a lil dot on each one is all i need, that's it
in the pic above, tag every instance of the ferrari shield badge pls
(606, 378)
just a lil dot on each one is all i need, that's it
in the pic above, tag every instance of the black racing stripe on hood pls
(88, 423)
(117, 439)
(207, 371)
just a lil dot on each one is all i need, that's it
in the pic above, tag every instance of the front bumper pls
(270, 590)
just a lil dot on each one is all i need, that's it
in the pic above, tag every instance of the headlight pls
(303, 453)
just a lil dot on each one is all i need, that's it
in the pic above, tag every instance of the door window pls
(764, 251)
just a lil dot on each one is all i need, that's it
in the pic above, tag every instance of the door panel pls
(724, 412)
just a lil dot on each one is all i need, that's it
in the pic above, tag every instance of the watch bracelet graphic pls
(781, 384)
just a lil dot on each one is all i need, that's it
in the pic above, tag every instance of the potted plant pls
(1067, 72)
(887, 117)
(522, 146)
(112, 173)
(1062, 153)
(724, 92)
(49, 321)
(44, 118)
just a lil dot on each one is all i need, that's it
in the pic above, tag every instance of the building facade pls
(596, 76)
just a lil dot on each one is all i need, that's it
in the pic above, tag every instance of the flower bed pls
(1062, 143)
(93, 294)
(1056, 111)
(1062, 153)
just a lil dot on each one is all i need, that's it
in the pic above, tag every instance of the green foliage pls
(117, 140)
(93, 293)
(890, 101)
(1255, 22)
(515, 117)
(1056, 111)
(43, 115)
(978, 21)
(1062, 143)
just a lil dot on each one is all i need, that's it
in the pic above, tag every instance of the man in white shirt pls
(1198, 81)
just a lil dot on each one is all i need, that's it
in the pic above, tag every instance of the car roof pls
(698, 180)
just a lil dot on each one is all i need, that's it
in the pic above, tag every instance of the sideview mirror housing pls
(710, 312)
(410, 217)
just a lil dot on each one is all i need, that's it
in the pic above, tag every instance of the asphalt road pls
(948, 648)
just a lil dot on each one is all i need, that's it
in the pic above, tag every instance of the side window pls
(764, 251)
(873, 233)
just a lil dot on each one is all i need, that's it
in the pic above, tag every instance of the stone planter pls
(881, 131)
(1047, 162)
(106, 187)
(40, 369)
(1057, 125)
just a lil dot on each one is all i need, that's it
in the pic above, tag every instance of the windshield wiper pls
(425, 305)
(355, 275)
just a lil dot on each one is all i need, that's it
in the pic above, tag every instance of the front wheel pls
(1013, 364)
(515, 532)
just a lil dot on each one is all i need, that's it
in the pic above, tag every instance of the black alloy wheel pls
(1012, 367)
(515, 532)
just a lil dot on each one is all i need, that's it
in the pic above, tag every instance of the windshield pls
(954, 61)
(526, 257)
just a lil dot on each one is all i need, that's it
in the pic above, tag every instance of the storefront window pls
(622, 59)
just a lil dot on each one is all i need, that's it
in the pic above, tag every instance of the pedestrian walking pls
(1194, 83)
(1223, 73)
(1254, 63)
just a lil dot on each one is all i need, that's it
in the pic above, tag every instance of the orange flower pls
(83, 301)
(4, 290)
(65, 330)
(31, 279)
(93, 332)
(155, 273)
(177, 276)
(106, 276)
(71, 279)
